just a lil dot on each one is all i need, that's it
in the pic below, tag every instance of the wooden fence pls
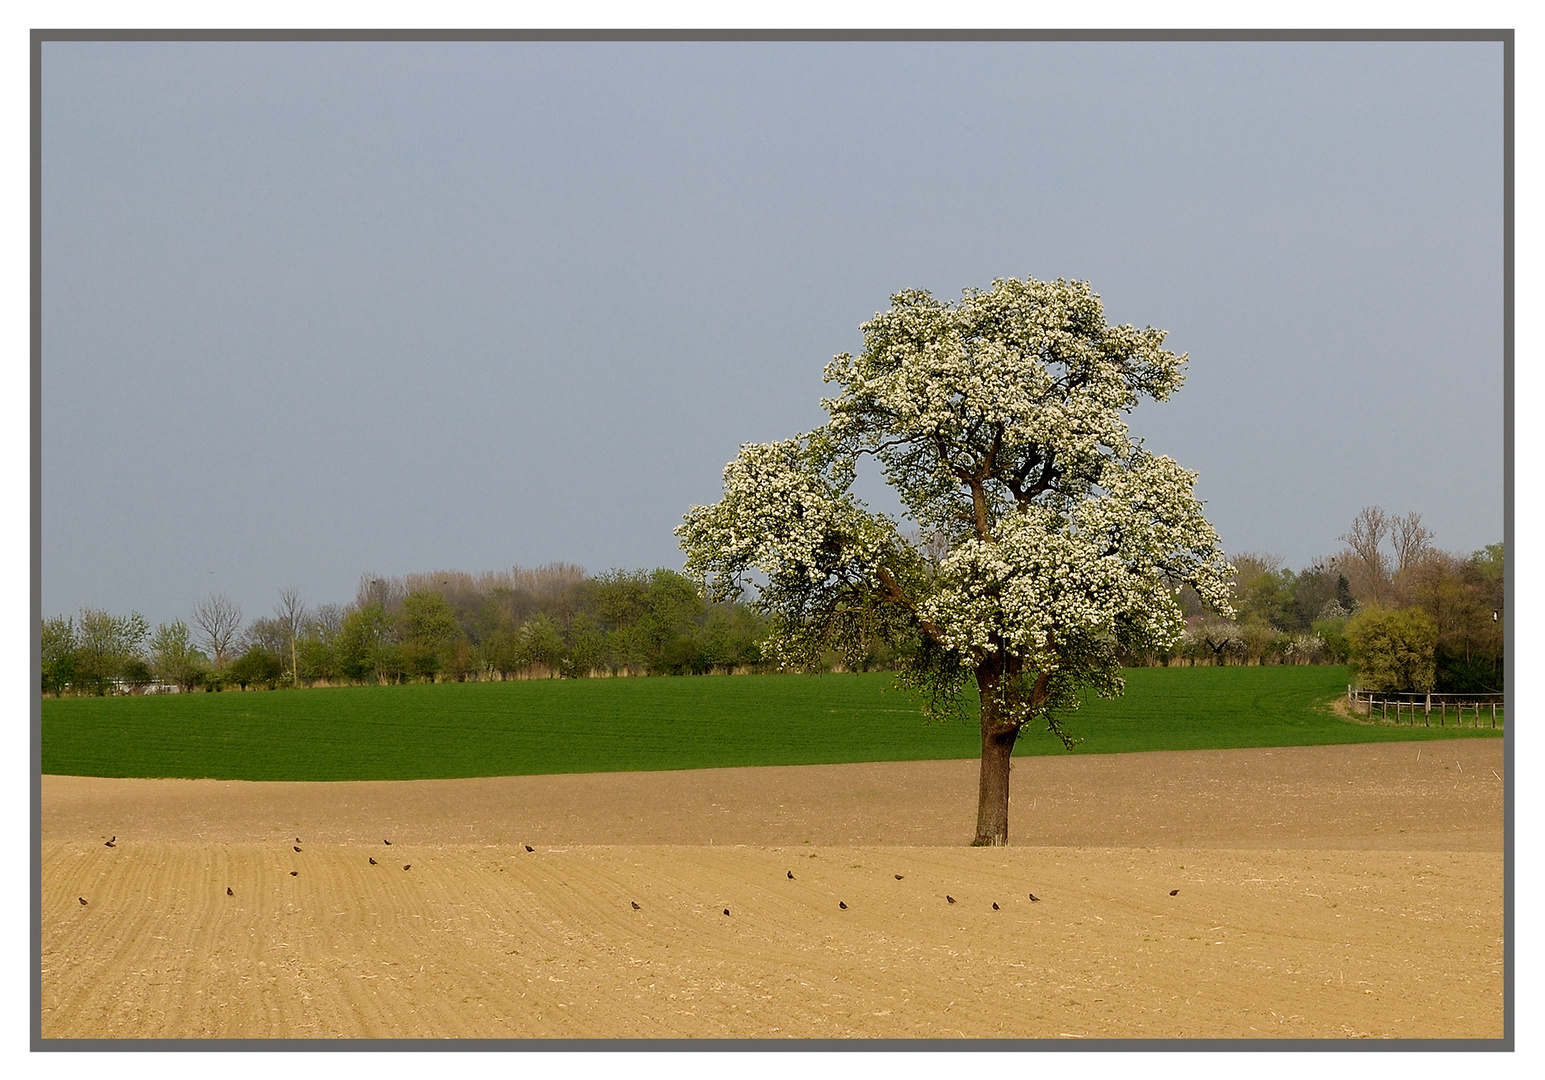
(1479, 709)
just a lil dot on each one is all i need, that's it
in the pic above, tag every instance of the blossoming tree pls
(1053, 540)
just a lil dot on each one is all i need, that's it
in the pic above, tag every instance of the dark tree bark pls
(1004, 698)
(992, 808)
(992, 814)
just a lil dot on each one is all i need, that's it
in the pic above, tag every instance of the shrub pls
(1392, 650)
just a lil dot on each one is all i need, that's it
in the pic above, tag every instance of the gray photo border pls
(1506, 1043)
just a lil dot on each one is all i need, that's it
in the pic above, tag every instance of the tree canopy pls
(1050, 539)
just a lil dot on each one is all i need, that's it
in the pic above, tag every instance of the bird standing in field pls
(83, 900)
(950, 898)
(898, 877)
(408, 867)
(228, 891)
(113, 842)
(635, 905)
(842, 904)
(1174, 892)
(1035, 898)
(295, 873)
(388, 843)
(373, 862)
(791, 875)
(530, 848)
(726, 911)
(995, 906)
(297, 849)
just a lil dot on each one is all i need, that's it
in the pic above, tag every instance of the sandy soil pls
(1327, 892)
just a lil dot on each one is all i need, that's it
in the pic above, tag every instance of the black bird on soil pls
(297, 839)
(113, 842)
(995, 906)
(791, 875)
(83, 900)
(297, 849)
(950, 898)
(726, 911)
(228, 891)
(408, 867)
(530, 848)
(1035, 898)
(373, 862)
(898, 877)
(295, 873)
(842, 904)
(635, 905)
(388, 843)
(1174, 892)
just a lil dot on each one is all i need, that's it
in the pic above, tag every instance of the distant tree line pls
(553, 621)
(1403, 614)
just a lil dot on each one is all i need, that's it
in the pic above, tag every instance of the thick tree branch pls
(979, 508)
(893, 590)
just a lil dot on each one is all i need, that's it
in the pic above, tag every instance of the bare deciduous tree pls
(1365, 558)
(375, 589)
(292, 614)
(218, 620)
(270, 635)
(290, 611)
(1412, 541)
(326, 621)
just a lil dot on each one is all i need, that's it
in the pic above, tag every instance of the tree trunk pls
(992, 808)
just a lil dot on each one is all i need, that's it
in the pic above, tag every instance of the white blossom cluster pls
(1044, 579)
(784, 516)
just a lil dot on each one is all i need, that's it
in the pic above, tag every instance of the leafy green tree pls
(1333, 632)
(317, 657)
(1392, 650)
(586, 645)
(173, 657)
(998, 420)
(493, 634)
(58, 653)
(255, 667)
(669, 627)
(730, 636)
(428, 632)
(365, 646)
(541, 643)
(1263, 590)
(107, 644)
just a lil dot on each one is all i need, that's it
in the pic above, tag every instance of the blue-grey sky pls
(316, 309)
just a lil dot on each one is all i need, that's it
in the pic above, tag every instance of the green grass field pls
(602, 725)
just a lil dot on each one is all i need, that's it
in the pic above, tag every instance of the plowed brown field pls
(1327, 892)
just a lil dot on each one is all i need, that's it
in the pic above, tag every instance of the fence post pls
(1494, 713)
(1386, 711)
